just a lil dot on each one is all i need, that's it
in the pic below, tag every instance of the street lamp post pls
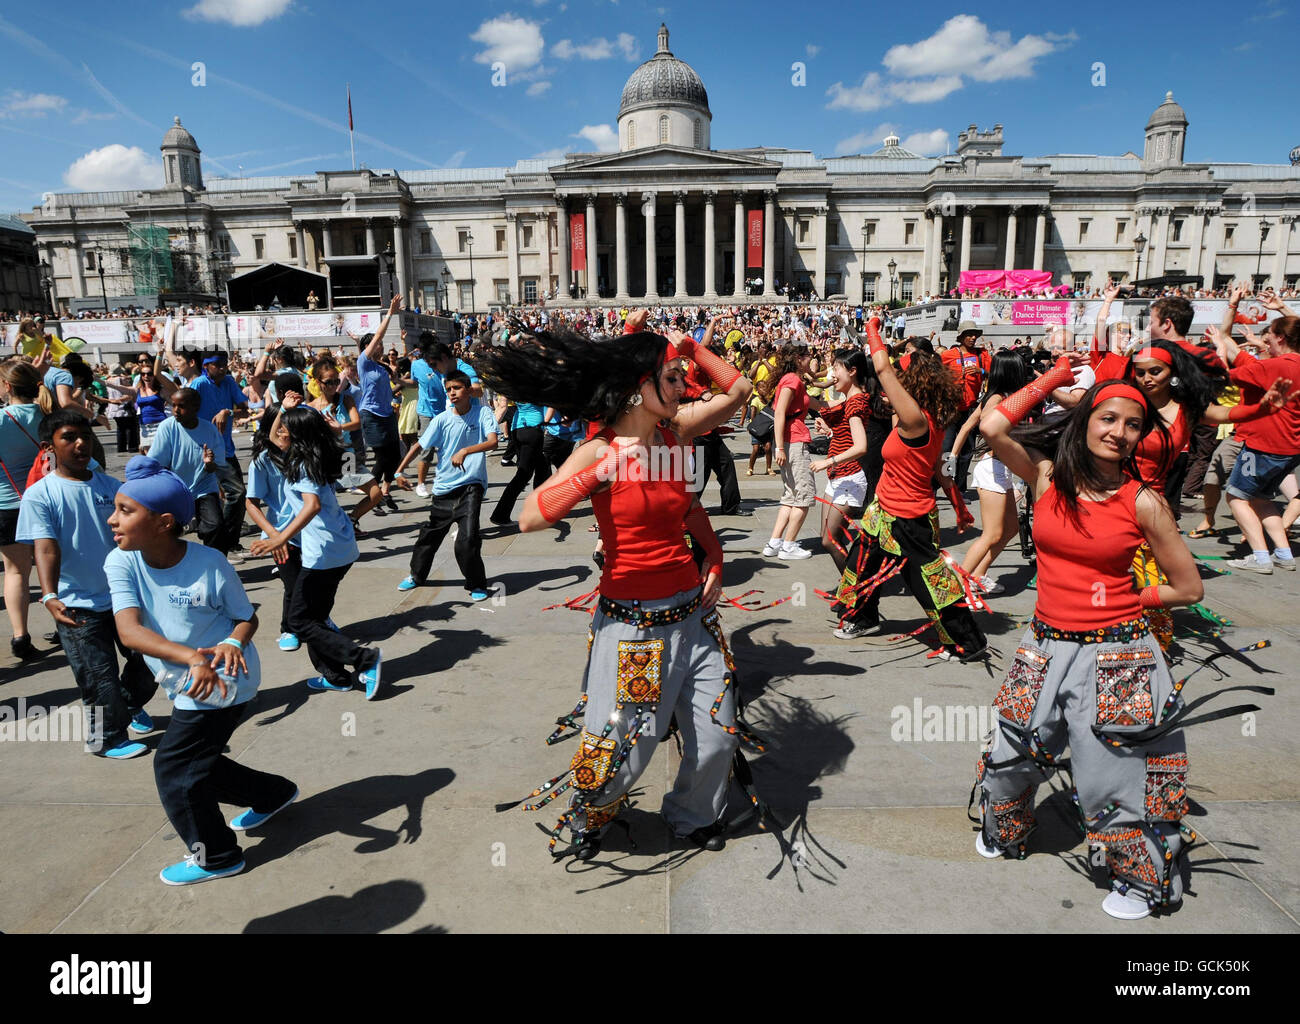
(1139, 246)
(47, 286)
(387, 289)
(469, 241)
(1264, 225)
(892, 267)
(446, 289)
(949, 250)
(103, 291)
(866, 230)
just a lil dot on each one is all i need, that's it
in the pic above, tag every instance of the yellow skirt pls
(1146, 573)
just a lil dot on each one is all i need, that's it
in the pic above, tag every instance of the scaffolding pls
(150, 252)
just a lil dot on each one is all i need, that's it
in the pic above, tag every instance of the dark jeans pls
(967, 450)
(128, 434)
(232, 504)
(529, 465)
(310, 606)
(207, 510)
(717, 459)
(461, 507)
(556, 451)
(111, 697)
(289, 577)
(1205, 438)
(194, 777)
(380, 433)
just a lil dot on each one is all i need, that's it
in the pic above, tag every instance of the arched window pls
(663, 129)
(699, 134)
(631, 135)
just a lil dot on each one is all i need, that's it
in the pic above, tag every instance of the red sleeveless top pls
(1084, 579)
(906, 488)
(642, 525)
(1155, 455)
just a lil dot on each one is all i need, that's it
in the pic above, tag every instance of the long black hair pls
(1007, 375)
(583, 378)
(313, 452)
(1193, 383)
(855, 361)
(1064, 440)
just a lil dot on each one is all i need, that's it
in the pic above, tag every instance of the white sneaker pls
(794, 554)
(1126, 906)
(422, 490)
(1284, 563)
(852, 631)
(771, 550)
(990, 586)
(985, 851)
(1248, 564)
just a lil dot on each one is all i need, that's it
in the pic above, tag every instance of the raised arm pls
(376, 347)
(701, 417)
(996, 425)
(911, 418)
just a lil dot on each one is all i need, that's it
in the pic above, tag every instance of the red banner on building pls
(754, 256)
(578, 241)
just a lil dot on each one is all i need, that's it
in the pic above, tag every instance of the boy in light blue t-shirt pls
(194, 450)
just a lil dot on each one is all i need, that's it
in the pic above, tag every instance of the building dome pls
(664, 81)
(893, 151)
(178, 137)
(1168, 113)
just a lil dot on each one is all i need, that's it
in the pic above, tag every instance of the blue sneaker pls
(370, 677)
(188, 872)
(408, 584)
(478, 595)
(330, 624)
(251, 819)
(126, 750)
(141, 722)
(289, 642)
(321, 683)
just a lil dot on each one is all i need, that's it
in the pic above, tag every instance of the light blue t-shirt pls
(432, 399)
(376, 386)
(328, 540)
(55, 376)
(180, 449)
(573, 431)
(213, 398)
(20, 431)
(528, 415)
(196, 602)
(448, 434)
(467, 370)
(75, 514)
(267, 484)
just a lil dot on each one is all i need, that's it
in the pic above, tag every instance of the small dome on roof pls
(178, 136)
(1168, 112)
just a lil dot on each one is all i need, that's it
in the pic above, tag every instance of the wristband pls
(873, 336)
(49, 597)
(1150, 598)
(1016, 407)
(233, 642)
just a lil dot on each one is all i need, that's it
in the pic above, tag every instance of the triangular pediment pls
(658, 158)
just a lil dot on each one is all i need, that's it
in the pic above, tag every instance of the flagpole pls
(351, 141)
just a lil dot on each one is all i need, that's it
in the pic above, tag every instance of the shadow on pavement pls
(369, 911)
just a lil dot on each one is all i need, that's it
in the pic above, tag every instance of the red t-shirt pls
(837, 418)
(906, 488)
(796, 430)
(970, 369)
(1278, 434)
(1084, 577)
(642, 525)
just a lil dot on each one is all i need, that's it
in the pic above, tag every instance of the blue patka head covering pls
(158, 489)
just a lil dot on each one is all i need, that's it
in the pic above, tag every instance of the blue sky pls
(86, 95)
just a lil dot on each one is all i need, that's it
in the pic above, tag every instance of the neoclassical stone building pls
(666, 218)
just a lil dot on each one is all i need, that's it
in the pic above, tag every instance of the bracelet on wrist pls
(45, 599)
(232, 642)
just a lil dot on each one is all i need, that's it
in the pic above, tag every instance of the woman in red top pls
(1088, 671)
(846, 485)
(902, 521)
(792, 437)
(656, 645)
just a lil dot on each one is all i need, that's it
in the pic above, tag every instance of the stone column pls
(1198, 235)
(1212, 234)
(1040, 237)
(769, 228)
(562, 234)
(1161, 242)
(620, 244)
(651, 255)
(821, 212)
(399, 249)
(370, 237)
(789, 242)
(593, 283)
(512, 255)
(1284, 223)
(1010, 262)
(927, 257)
(710, 244)
(937, 268)
(679, 267)
(77, 267)
(302, 246)
(327, 243)
(965, 238)
(742, 246)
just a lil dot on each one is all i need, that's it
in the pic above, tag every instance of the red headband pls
(1155, 353)
(1119, 389)
(669, 356)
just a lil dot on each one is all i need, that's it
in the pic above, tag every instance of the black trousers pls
(128, 434)
(530, 465)
(207, 510)
(919, 545)
(289, 577)
(232, 504)
(556, 450)
(1205, 438)
(330, 652)
(717, 459)
(381, 437)
(461, 507)
(194, 777)
(967, 450)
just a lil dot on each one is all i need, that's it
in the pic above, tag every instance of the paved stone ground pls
(395, 829)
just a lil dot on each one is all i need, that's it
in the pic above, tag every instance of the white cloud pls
(964, 45)
(554, 156)
(925, 90)
(812, 50)
(240, 13)
(114, 167)
(88, 115)
(517, 42)
(870, 94)
(864, 142)
(30, 104)
(598, 48)
(537, 88)
(932, 143)
(602, 136)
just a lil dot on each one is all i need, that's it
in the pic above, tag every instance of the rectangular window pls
(1083, 231)
(462, 240)
(871, 232)
(1261, 280)
(426, 243)
(503, 292)
(259, 247)
(466, 296)
(429, 296)
(1121, 229)
(501, 239)
(977, 233)
(908, 287)
(1081, 282)
(528, 236)
(909, 232)
(1228, 231)
(293, 247)
(1118, 276)
(1178, 230)
(530, 289)
(358, 243)
(1291, 281)
(90, 260)
(802, 228)
(869, 288)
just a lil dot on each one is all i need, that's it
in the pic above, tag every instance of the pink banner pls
(754, 249)
(1005, 280)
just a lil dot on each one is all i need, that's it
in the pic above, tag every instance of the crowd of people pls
(630, 410)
